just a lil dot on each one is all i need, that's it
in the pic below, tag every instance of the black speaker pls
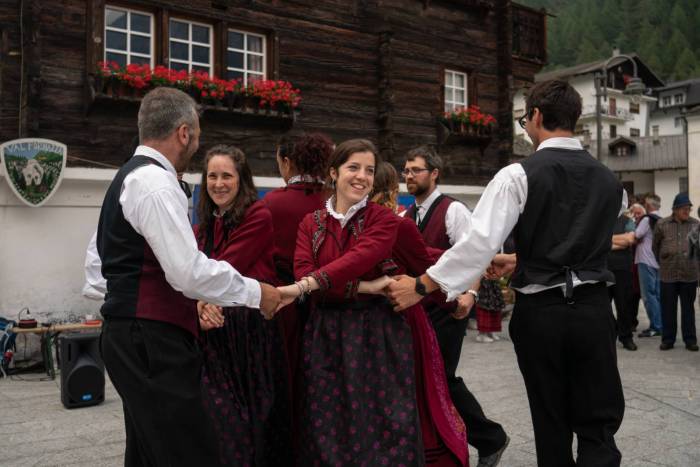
(82, 370)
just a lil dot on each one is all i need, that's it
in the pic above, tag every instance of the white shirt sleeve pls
(493, 219)
(95, 285)
(157, 210)
(457, 220)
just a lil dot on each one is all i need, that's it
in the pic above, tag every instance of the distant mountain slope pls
(665, 33)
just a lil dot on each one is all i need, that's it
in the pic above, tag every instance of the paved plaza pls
(661, 425)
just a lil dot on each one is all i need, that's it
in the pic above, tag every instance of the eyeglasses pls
(522, 121)
(414, 171)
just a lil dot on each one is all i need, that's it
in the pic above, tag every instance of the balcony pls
(617, 115)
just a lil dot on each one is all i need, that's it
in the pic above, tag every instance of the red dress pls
(359, 399)
(288, 206)
(245, 375)
(443, 431)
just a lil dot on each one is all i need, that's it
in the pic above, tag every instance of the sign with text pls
(34, 168)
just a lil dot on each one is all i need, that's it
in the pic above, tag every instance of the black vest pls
(566, 227)
(136, 284)
(620, 260)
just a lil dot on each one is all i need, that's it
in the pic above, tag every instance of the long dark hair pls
(246, 196)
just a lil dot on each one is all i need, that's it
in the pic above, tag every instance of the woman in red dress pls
(359, 399)
(245, 376)
(303, 168)
(442, 429)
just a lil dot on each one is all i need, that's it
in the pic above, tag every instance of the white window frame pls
(129, 33)
(452, 104)
(667, 101)
(678, 99)
(190, 42)
(245, 53)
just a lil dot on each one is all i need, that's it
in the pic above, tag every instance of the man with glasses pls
(442, 220)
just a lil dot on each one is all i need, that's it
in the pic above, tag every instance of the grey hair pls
(163, 110)
(638, 206)
(654, 201)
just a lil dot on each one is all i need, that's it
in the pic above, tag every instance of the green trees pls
(665, 33)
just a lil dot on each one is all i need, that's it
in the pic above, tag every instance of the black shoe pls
(666, 346)
(629, 344)
(649, 333)
(692, 347)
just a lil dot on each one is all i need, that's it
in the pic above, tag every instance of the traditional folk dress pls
(288, 205)
(489, 307)
(359, 399)
(443, 432)
(245, 373)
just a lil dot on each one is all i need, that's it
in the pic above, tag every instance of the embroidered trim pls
(323, 280)
(388, 266)
(319, 234)
(351, 288)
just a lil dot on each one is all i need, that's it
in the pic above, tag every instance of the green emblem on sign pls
(34, 168)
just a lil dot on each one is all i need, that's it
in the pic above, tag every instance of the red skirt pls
(487, 320)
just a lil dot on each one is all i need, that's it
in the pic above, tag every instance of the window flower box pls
(270, 101)
(466, 126)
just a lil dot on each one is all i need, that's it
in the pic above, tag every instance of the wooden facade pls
(365, 68)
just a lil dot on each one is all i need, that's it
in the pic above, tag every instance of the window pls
(128, 36)
(678, 99)
(621, 150)
(634, 107)
(683, 185)
(612, 107)
(666, 101)
(634, 132)
(613, 131)
(655, 131)
(245, 57)
(190, 46)
(455, 90)
(678, 121)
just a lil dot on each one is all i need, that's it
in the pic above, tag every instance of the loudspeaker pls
(82, 370)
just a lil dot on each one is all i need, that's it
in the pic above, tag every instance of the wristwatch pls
(474, 293)
(420, 288)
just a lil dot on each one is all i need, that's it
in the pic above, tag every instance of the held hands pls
(376, 287)
(465, 302)
(501, 265)
(270, 300)
(210, 316)
(289, 293)
(402, 292)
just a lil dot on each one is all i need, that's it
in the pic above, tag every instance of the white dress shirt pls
(95, 285)
(457, 216)
(493, 219)
(156, 207)
(344, 218)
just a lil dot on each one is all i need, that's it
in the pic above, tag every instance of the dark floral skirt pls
(359, 391)
(246, 390)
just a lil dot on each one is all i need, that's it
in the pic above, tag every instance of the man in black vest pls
(154, 271)
(563, 205)
(441, 221)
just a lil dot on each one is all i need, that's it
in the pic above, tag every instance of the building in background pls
(380, 70)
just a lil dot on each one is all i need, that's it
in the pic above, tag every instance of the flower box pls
(270, 101)
(466, 126)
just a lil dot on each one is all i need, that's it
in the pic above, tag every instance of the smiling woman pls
(245, 374)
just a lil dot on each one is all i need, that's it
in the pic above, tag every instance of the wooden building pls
(380, 69)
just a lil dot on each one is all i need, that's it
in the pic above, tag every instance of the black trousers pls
(621, 294)
(568, 360)
(156, 369)
(670, 293)
(485, 435)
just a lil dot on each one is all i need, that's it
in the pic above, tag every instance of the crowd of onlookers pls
(656, 259)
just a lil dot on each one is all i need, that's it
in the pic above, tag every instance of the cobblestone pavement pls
(661, 425)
